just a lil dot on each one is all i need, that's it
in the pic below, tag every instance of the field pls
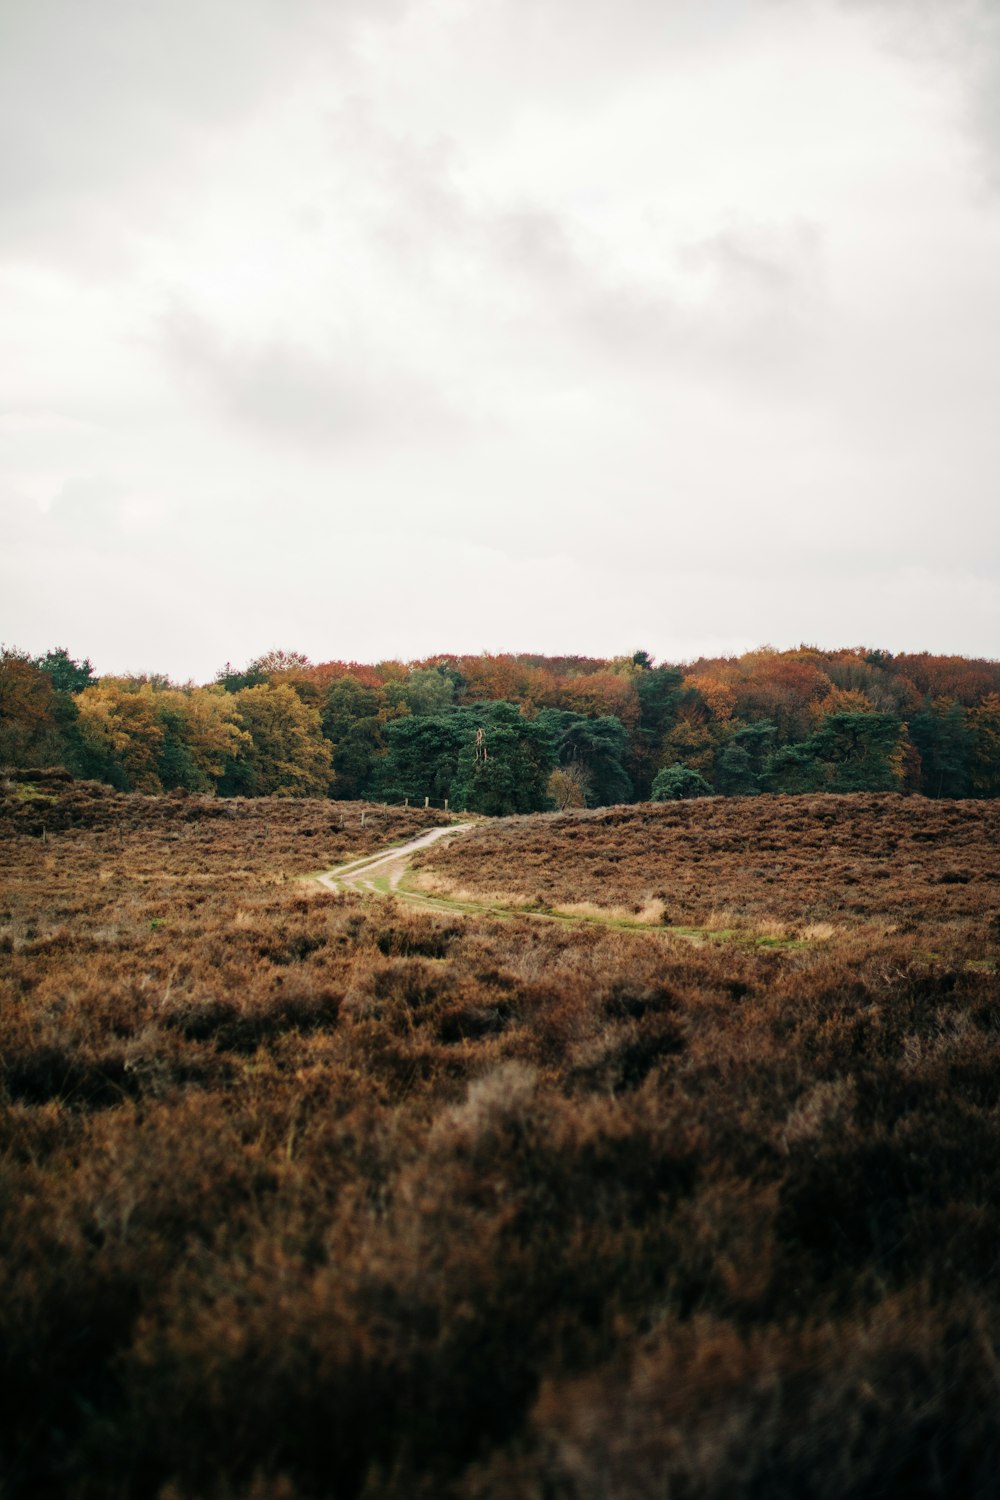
(787, 864)
(681, 1181)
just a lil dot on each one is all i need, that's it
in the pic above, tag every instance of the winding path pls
(382, 872)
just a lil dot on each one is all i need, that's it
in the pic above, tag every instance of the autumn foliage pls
(768, 721)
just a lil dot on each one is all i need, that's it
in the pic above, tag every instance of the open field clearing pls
(308, 1194)
(806, 867)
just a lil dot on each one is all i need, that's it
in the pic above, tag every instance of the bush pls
(677, 781)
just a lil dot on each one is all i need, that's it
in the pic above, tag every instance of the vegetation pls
(303, 1195)
(783, 861)
(678, 781)
(793, 721)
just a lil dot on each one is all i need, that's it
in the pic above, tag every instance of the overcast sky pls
(375, 328)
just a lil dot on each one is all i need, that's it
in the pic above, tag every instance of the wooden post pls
(427, 802)
(362, 818)
(406, 801)
(446, 804)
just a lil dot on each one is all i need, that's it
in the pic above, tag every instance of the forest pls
(503, 734)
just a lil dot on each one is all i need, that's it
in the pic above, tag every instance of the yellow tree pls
(691, 744)
(841, 701)
(120, 734)
(984, 721)
(202, 735)
(287, 755)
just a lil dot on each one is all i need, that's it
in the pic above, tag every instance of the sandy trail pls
(381, 875)
(387, 867)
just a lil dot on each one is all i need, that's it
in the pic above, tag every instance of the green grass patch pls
(24, 791)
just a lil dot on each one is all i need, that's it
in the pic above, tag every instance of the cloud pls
(546, 286)
(271, 385)
(687, 310)
(113, 96)
(956, 37)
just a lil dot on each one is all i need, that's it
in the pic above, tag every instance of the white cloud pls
(441, 326)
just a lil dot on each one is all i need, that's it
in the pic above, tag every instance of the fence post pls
(362, 817)
(427, 802)
(406, 801)
(446, 804)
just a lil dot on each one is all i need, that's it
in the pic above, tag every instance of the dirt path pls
(382, 872)
(382, 875)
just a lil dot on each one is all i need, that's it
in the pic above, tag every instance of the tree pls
(507, 771)
(597, 747)
(693, 744)
(29, 724)
(428, 691)
(659, 693)
(201, 736)
(233, 681)
(422, 755)
(273, 663)
(780, 687)
(120, 734)
(568, 786)
(66, 674)
(287, 755)
(603, 695)
(741, 763)
(944, 739)
(850, 753)
(354, 715)
(984, 766)
(675, 782)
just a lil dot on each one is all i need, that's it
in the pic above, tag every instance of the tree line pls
(501, 734)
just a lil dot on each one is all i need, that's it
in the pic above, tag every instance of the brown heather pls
(925, 866)
(306, 1196)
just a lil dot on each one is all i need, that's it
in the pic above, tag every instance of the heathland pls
(680, 1178)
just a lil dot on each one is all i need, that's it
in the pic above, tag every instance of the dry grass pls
(305, 1196)
(769, 865)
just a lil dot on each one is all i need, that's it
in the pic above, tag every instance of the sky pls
(377, 329)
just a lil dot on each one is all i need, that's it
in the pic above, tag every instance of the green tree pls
(422, 755)
(672, 783)
(66, 674)
(942, 735)
(740, 764)
(597, 747)
(508, 771)
(428, 690)
(234, 681)
(855, 752)
(175, 764)
(660, 691)
(354, 715)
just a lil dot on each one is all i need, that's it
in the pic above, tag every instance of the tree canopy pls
(781, 721)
